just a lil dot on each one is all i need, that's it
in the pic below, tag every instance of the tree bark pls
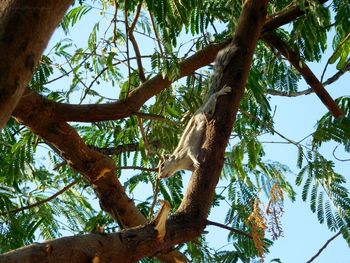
(190, 219)
(25, 29)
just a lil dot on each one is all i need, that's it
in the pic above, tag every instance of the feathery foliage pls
(103, 67)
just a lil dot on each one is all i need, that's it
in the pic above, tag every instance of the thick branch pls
(201, 188)
(25, 29)
(305, 71)
(131, 105)
(283, 17)
(97, 168)
(128, 246)
(124, 108)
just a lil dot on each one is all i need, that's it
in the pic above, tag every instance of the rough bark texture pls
(190, 218)
(25, 29)
(97, 168)
(204, 180)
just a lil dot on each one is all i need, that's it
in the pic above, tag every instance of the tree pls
(88, 145)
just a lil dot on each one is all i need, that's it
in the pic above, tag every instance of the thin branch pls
(127, 46)
(156, 33)
(137, 168)
(329, 81)
(75, 75)
(155, 196)
(42, 201)
(144, 137)
(150, 116)
(237, 231)
(270, 127)
(294, 58)
(59, 165)
(116, 5)
(323, 247)
(289, 94)
(137, 15)
(132, 147)
(344, 41)
(337, 75)
(338, 159)
(135, 45)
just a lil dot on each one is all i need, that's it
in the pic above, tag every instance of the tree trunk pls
(25, 29)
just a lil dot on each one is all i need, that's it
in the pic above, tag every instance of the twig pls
(150, 116)
(337, 75)
(116, 5)
(156, 33)
(274, 142)
(143, 135)
(127, 45)
(59, 165)
(237, 231)
(338, 159)
(105, 69)
(66, 73)
(135, 45)
(335, 51)
(137, 168)
(131, 147)
(155, 195)
(323, 247)
(269, 126)
(42, 201)
(77, 76)
(329, 81)
(212, 24)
